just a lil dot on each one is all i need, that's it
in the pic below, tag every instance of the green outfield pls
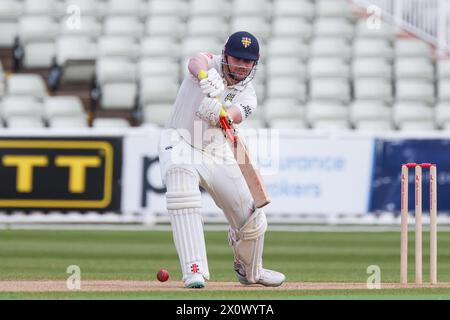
(316, 257)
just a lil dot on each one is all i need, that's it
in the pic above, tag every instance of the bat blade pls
(251, 174)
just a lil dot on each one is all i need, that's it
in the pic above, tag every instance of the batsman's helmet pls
(242, 45)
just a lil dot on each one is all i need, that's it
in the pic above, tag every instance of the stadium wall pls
(312, 177)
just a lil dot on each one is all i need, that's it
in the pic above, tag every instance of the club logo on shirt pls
(230, 96)
(246, 42)
(247, 110)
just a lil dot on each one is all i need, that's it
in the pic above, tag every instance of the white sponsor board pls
(305, 174)
(321, 175)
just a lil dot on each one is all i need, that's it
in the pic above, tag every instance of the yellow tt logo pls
(25, 165)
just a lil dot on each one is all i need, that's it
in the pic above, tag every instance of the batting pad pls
(248, 244)
(184, 203)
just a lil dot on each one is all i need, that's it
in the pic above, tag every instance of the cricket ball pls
(162, 275)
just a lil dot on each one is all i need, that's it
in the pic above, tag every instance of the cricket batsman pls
(193, 152)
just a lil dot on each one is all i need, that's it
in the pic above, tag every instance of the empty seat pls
(207, 26)
(287, 47)
(374, 125)
(10, 29)
(258, 26)
(117, 78)
(292, 27)
(118, 46)
(333, 27)
(21, 106)
(286, 87)
(320, 110)
(373, 89)
(371, 68)
(90, 27)
(411, 111)
(283, 108)
(157, 113)
(208, 8)
(37, 35)
(128, 8)
(194, 45)
(414, 68)
(333, 8)
(330, 124)
(330, 89)
(288, 124)
(26, 85)
(168, 8)
(10, 9)
(330, 47)
(42, 7)
(443, 69)
(417, 126)
(123, 26)
(68, 122)
(294, 8)
(442, 114)
(76, 55)
(75, 48)
(159, 47)
(159, 67)
(63, 106)
(381, 30)
(251, 8)
(118, 95)
(372, 48)
(172, 27)
(412, 48)
(87, 8)
(444, 90)
(39, 54)
(110, 123)
(286, 67)
(415, 90)
(369, 110)
(112, 69)
(253, 123)
(37, 28)
(328, 68)
(24, 122)
(155, 90)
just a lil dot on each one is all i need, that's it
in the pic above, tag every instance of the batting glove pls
(213, 85)
(209, 110)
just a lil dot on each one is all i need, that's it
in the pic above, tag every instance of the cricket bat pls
(251, 174)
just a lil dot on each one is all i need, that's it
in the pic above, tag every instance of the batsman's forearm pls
(235, 114)
(197, 63)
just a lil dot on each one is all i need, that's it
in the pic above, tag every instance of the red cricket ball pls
(162, 275)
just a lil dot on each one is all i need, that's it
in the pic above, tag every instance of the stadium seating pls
(110, 123)
(66, 122)
(134, 53)
(24, 122)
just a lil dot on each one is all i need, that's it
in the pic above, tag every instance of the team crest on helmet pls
(246, 42)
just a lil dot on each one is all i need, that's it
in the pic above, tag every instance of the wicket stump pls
(418, 222)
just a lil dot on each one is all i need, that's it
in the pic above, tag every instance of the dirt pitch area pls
(124, 286)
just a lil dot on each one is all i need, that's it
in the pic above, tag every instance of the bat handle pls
(224, 119)
(202, 74)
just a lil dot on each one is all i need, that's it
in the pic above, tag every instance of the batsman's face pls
(241, 68)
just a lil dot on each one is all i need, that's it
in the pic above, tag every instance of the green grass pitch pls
(138, 255)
